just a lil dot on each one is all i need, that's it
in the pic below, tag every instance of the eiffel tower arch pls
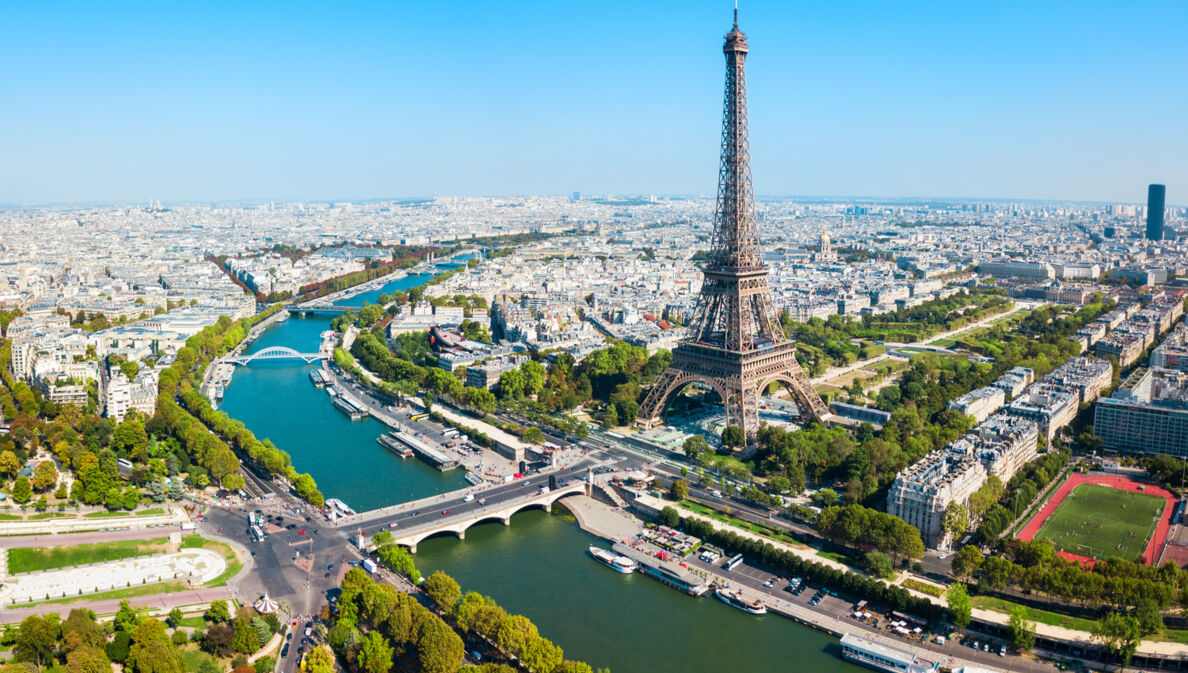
(736, 344)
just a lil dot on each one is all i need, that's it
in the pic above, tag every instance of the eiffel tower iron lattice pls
(736, 344)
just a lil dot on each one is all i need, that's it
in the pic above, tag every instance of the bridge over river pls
(413, 522)
(274, 353)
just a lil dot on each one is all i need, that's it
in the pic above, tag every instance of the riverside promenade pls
(615, 525)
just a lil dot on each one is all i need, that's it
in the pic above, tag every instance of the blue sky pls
(102, 102)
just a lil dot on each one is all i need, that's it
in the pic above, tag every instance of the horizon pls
(1065, 102)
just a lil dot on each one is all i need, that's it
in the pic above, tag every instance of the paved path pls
(159, 603)
(86, 538)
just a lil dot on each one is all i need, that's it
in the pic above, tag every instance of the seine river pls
(538, 566)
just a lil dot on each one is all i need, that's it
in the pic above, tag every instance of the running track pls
(1122, 484)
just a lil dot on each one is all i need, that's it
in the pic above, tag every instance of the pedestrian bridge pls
(275, 353)
(458, 523)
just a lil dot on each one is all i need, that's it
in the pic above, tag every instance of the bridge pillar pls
(412, 548)
(461, 535)
(507, 520)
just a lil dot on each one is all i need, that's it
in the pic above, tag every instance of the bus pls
(734, 562)
(418, 417)
(257, 534)
(451, 432)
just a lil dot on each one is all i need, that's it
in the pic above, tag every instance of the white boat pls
(613, 561)
(737, 600)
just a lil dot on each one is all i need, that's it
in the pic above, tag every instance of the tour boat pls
(614, 561)
(737, 600)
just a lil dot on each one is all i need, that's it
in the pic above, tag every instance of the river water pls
(538, 566)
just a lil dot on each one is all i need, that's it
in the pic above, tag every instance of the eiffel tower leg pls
(667, 384)
(809, 402)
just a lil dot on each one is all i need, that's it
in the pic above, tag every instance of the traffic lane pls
(493, 500)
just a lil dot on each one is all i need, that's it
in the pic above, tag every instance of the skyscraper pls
(736, 345)
(1155, 197)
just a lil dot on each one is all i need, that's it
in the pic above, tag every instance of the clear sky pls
(335, 100)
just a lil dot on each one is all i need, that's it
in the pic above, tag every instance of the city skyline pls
(378, 102)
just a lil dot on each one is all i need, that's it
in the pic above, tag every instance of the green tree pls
(670, 517)
(1149, 617)
(1119, 634)
(244, 638)
(679, 490)
(966, 561)
(444, 591)
(152, 651)
(45, 476)
(88, 659)
(956, 520)
(878, 564)
(320, 660)
(36, 639)
(175, 617)
(9, 464)
(22, 491)
(1022, 629)
(733, 437)
(375, 655)
(81, 630)
(960, 610)
(696, 447)
(439, 648)
(217, 612)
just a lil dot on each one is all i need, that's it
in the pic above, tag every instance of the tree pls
(88, 659)
(244, 638)
(375, 655)
(1147, 613)
(670, 517)
(117, 649)
(175, 617)
(22, 491)
(966, 561)
(307, 489)
(320, 660)
(695, 447)
(45, 476)
(217, 639)
(36, 638)
(1119, 634)
(960, 609)
(444, 591)
(878, 564)
(439, 648)
(81, 630)
(733, 437)
(9, 464)
(680, 489)
(956, 519)
(1022, 629)
(152, 651)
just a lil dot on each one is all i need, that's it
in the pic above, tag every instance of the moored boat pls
(613, 561)
(737, 600)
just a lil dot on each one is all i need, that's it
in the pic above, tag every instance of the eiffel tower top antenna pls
(736, 13)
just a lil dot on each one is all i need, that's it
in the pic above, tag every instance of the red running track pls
(1122, 484)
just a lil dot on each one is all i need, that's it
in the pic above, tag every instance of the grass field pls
(28, 559)
(1100, 522)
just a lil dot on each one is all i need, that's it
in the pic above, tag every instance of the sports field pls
(1099, 522)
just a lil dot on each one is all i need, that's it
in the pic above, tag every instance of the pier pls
(423, 451)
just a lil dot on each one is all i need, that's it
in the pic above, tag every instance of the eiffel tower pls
(735, 345)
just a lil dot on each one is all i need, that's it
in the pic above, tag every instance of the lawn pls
(132, 592)
(193, 657)
(234, 565)
(1100, 522)
(155, 511)
(105, 515)
(28, 559)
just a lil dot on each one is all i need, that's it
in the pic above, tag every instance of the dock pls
(395, 446)
(424, 451)
(347, 406)
(667, 572)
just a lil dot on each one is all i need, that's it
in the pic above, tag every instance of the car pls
(291, 526)
(482, 501)
(289, 636)
(768, 584)
(975, 645)
(326, 575)
(1002, 651)
(445, 512)
(253, 553)
(301, 532)
(300, 651)
(330, 567)
(986, 647)
(316, 531)
(259, 511)
(285, 651)
(468, 498)
(393, 525)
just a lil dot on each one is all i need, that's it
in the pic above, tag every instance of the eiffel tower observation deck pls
(736, 345)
